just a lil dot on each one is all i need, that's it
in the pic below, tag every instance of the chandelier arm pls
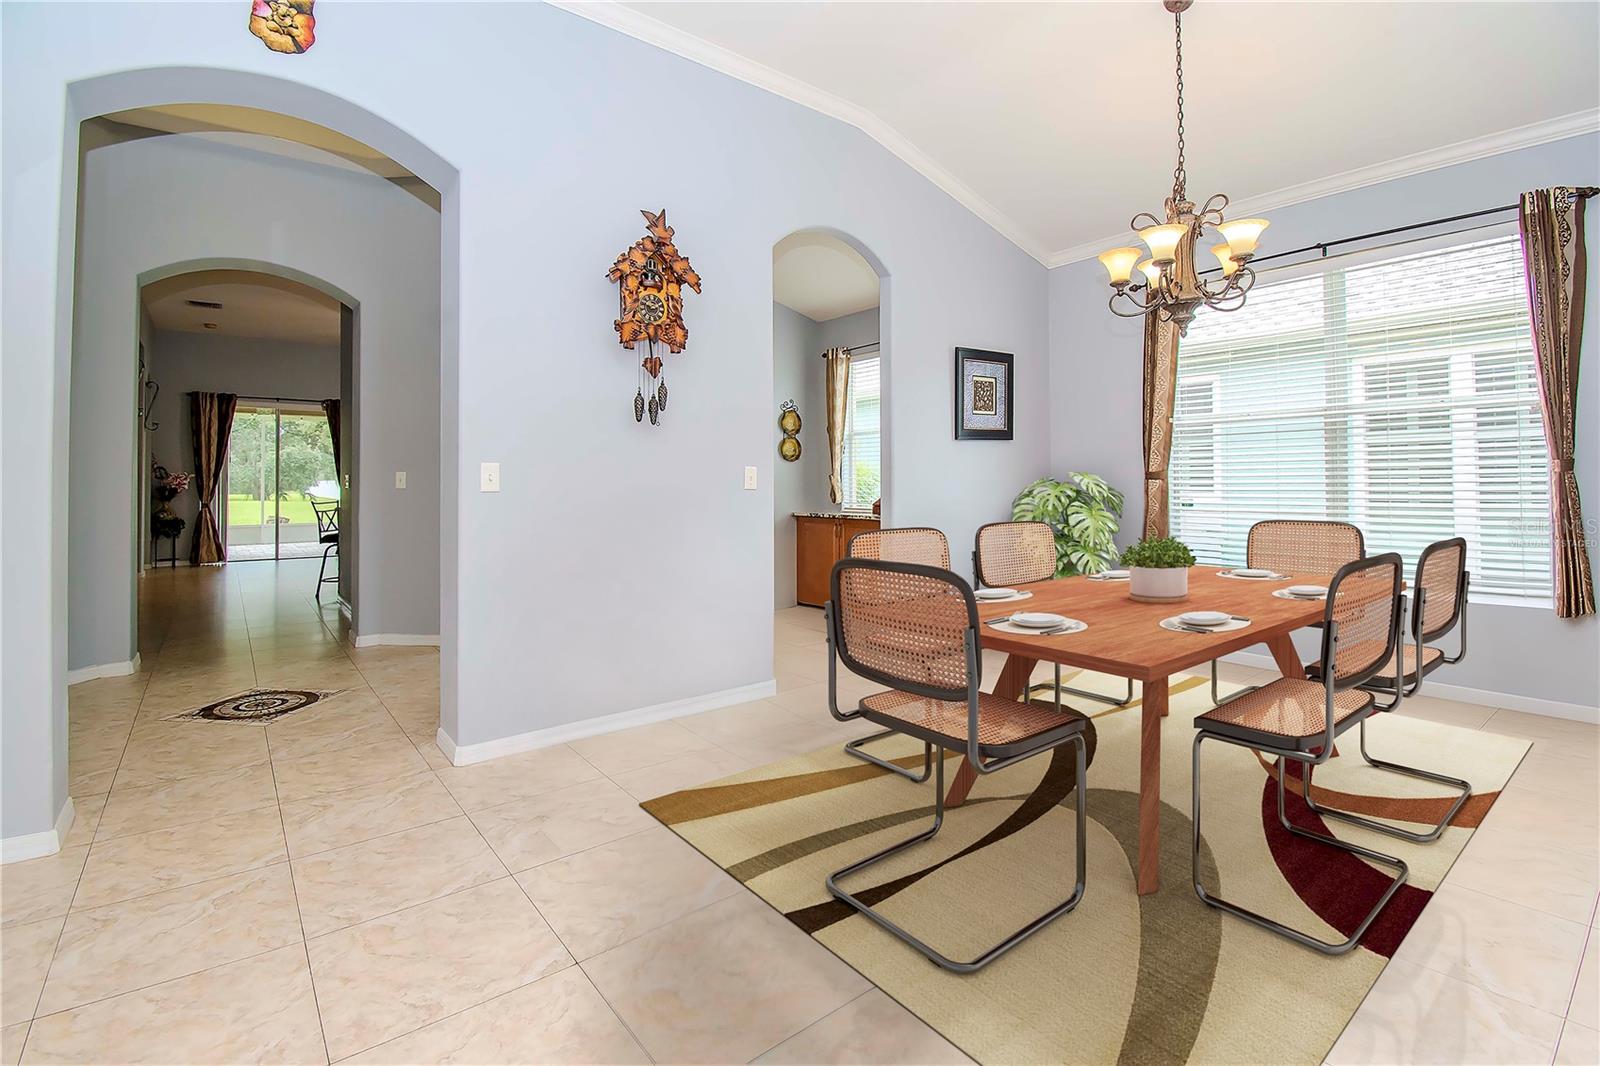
(1140, 310)
(1136, 227)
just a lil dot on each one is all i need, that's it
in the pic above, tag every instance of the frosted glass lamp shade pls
(1242, 235)
(1151, 272)
(1224, 254)
(1119, 264)
(1163, 241)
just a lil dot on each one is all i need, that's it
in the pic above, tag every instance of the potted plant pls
(1158, 569)
(1083, 512)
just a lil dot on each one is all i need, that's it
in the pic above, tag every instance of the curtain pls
(838, 360)
(1551, 221)
(211, 421)
(1160, 383)
(331, 409)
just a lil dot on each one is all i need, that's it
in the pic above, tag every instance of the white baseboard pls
(90, 673)
(38, 845)
(1576, 712)
(465, 754)
(372, 640)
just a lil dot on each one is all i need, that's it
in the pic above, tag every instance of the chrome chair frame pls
(1400, 691)
(1217, 699)
(327, 514)
(978, 582)
(1309, 756)
(853, 747)
(1071, 732)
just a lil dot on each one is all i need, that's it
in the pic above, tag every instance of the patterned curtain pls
(331, 409)
(838, 360)
(1551, 221)
(211, 421)
(1160, 382)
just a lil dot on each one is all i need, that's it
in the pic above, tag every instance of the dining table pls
(1124, 637)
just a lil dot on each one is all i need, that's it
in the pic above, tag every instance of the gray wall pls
(803, 484)
(1095, 393)
(246, 366)
(853, 331)
(163, 200)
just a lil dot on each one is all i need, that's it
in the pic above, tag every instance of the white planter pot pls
(1166, 583)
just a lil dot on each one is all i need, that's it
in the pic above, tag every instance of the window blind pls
(861, 475)
(1396, 393)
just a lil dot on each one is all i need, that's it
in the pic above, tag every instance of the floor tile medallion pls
(1124, 978)
(256, 705)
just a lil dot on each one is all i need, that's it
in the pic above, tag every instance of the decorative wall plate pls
(789, 423)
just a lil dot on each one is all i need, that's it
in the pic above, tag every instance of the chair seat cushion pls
(1288, 709)
(1003, 725)
(329, 538)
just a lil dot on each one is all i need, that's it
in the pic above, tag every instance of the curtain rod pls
(856, 348)
(279, 399)
(1583, 193)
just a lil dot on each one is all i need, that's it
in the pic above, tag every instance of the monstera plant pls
(1084, 512)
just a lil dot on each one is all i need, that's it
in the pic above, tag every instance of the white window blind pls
(1396, 393)
(862, 449)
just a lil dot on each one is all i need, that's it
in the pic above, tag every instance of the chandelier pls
(1172, 287)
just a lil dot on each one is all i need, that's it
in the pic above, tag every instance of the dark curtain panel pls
(331, 409)
(1551, 221)
(1160, 382)
(211, 420)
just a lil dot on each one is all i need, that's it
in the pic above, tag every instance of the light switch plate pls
(399, 479)
(489, 477)
(750, 477)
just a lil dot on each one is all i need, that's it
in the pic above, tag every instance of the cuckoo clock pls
(650, 278)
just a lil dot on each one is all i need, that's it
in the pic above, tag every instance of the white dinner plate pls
(1249, 571)
(1113, 573)
(994, 594)
(1205, 618)
(1036, 620)
(1307, 590)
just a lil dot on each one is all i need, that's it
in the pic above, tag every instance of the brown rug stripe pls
(724, 799)
(1420, 810)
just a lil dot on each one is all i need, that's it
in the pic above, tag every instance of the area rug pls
(256, 705)
(1124, 978)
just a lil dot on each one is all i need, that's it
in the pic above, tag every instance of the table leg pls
(1155, 709)
(1012, 684)
(1283, 653)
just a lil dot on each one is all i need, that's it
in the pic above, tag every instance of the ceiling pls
(269, 131)
(1054, 122)
(821, 277)
(253, 305)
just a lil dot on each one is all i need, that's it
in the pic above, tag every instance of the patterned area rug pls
(1124, 978)
(256, 705)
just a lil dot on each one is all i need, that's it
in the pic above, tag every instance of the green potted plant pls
(1083, 511)
(1158, 569)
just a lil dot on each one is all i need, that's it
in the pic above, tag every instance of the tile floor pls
(327, 887)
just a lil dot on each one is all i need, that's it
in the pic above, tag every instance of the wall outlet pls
(750, 477)
(489, 477)
(399, 479)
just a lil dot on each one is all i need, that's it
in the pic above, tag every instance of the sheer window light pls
(862, 465)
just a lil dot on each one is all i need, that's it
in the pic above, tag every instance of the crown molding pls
(653, 31)
(1536, 133)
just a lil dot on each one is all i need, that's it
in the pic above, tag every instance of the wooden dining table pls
(1124, 638)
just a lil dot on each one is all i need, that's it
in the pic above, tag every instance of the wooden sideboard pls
(820, 541)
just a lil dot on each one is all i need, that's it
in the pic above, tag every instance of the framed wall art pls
(984, 388)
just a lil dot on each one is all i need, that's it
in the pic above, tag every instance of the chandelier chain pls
(1179, 174)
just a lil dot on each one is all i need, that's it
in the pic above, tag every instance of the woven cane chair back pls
(1364, 604)
(905, 625)
(1292, 546)
(1442, 576)
(913, 544)
(1015, 553)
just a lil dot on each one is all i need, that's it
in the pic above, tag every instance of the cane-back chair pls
(909, 544)
(1298, 547)
(914, 628)
(1297, 721)
(1020, 553)
(1439, 605)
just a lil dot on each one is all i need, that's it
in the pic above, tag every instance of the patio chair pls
(1296, 546)
(1019, 553)
(915, 629)
(1440, 605)
(1298, 720)
(910, 544)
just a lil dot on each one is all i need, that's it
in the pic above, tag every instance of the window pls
(862, 459)
(1394, 391)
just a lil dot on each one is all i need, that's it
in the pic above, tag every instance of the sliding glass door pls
(280, 458)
